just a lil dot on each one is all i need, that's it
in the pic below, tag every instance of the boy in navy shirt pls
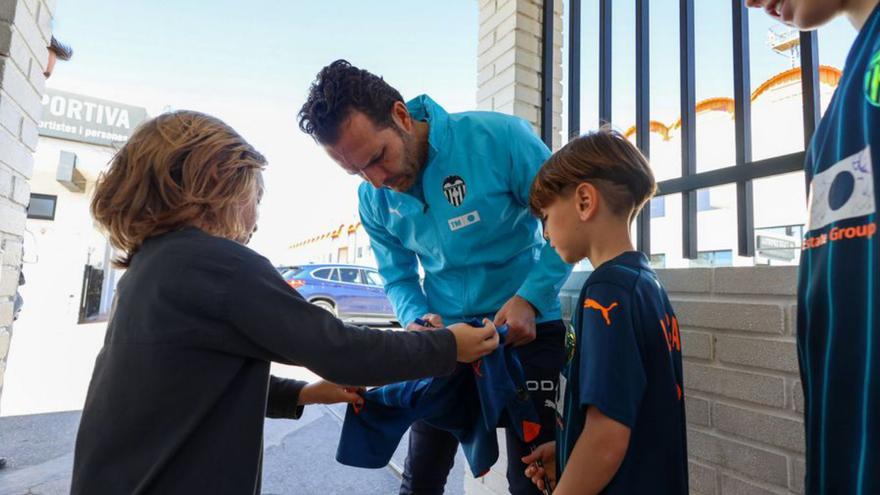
(620, 402)
(839, 282)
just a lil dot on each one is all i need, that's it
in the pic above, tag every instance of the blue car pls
(352, 293)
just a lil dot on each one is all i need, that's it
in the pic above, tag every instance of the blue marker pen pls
(419, 321)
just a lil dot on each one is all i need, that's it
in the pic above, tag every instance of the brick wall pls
(509, 81)
(25, 31)
(509, 60)
(744, 400)
(743, 394)
(742, 389)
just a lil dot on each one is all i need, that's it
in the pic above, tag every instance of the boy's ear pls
(586, 201)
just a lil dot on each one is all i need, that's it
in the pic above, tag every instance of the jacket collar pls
(423, 108)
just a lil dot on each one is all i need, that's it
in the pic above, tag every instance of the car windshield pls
(292, 272)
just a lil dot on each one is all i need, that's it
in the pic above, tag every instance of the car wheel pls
(326, 305)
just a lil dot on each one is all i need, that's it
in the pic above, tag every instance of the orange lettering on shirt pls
(671, 333)
(676, 336)
(865, 231)
(666, 334)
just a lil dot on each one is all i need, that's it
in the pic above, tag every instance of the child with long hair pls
(181, 386)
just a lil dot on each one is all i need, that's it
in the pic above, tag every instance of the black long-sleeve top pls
(180, 388)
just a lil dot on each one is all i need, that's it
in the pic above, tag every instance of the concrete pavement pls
(299, 457)
(48, 373)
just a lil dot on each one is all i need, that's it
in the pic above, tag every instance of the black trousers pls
(432, 451)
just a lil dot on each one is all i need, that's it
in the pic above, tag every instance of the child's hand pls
(324, 392)
(546, 455)
(473, 343)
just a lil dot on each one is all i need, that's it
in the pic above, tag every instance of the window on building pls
(342, 255)
(658, 260)
(360, 252)
(722, 257)
(42, 206)
(704, 200)
(658, 207)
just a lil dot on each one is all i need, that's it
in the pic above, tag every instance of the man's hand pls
(542, 465)
(324, 392)
(519, 316)
(434, 321)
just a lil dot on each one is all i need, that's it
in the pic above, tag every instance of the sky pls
(713, 57)
(251, 63)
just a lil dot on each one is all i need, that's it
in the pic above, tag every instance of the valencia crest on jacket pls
(454, 189)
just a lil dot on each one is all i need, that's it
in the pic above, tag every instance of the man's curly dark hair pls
(337, 90)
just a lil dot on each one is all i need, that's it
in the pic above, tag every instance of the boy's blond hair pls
(179, 169)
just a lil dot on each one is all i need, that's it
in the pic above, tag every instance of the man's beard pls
(411, 164)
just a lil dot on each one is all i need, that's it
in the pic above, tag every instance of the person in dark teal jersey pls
(620, 403)
(838, 297)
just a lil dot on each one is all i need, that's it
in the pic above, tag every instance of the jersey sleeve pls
(397, 265)
(282, 400)
(612, 373)
(272, 322)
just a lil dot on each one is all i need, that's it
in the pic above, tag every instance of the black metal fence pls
(745, 169)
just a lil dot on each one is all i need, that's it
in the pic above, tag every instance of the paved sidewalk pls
(299, 457)
(47, 377)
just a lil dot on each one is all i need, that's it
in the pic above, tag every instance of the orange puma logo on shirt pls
(593, 304)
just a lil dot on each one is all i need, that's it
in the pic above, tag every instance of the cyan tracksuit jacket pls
(466, 221)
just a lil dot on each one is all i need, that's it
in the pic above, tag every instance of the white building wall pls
(57, 251)
(777, 129)
(353, 244)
